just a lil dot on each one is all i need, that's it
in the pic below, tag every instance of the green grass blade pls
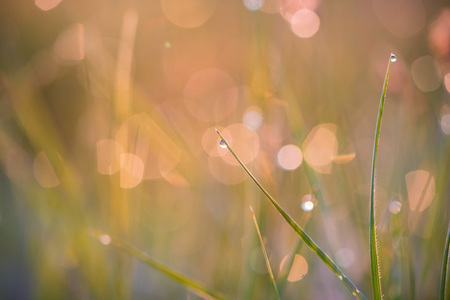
(144, 257)
(374, 259)
(443, 290)
(265, 256)
(301, 233)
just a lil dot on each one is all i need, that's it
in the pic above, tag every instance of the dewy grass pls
(443, 289)
(374, 259)
(301, 233)
(272, 278)
(188, 282)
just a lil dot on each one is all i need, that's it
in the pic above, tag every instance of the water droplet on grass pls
(393, 57)
(340, 277)
(222, 144)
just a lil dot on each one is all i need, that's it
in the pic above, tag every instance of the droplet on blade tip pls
(222, 144)
(393, 57)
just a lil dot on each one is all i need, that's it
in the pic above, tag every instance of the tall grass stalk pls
(272, 278)
(443, 290)
(301, 233)
(145, 258)
(374, 259)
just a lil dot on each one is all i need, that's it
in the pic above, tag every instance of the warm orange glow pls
(320, 147)
(445, 124)
(402, 18)
(288, 8)
(188, 14)
(46, 4)
(210, 95)
(69, 46)
(421, 188)
(344, 158)
(244, 141)
(224, 172)
(108, 156)
(305, 23)
(210, 142)
(146, 139)
(426, 73)
(176, 179)
(44, 172)
(447, 82)
(252, 118)
(289, 157)
(439, 33)
(299, 269)
(131, 170)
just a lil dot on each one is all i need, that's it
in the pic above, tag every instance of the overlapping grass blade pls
(144, 257)
(443, 290)
(272, 278)
(301, 233)
(374, 259)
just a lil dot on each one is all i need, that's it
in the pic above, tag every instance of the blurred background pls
(107, 118)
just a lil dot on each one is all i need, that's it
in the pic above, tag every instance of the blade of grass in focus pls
(301, 233)
(443, 290)
(374, 259)
(145, 258)
(265, 255)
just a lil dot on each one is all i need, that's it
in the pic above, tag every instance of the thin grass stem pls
(272, 278)
(374, 258)
(301, 233)
(145, 258)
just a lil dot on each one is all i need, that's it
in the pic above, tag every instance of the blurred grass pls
(73, 75)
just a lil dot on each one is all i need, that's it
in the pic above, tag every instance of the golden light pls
(143, 137)
(447, 82)
(445, 124)
(305, 23)
(320, 147)
(244, 141)
(108, 156)
(344, 158)
(131, 170)
(46, 4)
(421, 187)
(224, 172)
(308, 202)
(44, 172)
(105, 239)
(210, 95)
(402, 18)
(289, 157)
(210, 142)
(252, 118)
(188, 14)
(298, 270)
(69, 46)
(426, 73)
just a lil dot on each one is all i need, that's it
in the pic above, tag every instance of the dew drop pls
(340, 277)
(222, 144)
(393, 57)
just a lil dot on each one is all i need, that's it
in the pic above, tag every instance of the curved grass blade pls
(301, 233)
(265, 256)
(144, 257)
(374, 259)
(443, 290)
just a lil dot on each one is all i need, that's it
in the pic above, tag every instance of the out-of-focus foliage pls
(107, 117)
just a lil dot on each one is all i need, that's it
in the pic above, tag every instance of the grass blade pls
(443, 290)
(301, 233)
(265, 255)
(144, 257)
(374, 259)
